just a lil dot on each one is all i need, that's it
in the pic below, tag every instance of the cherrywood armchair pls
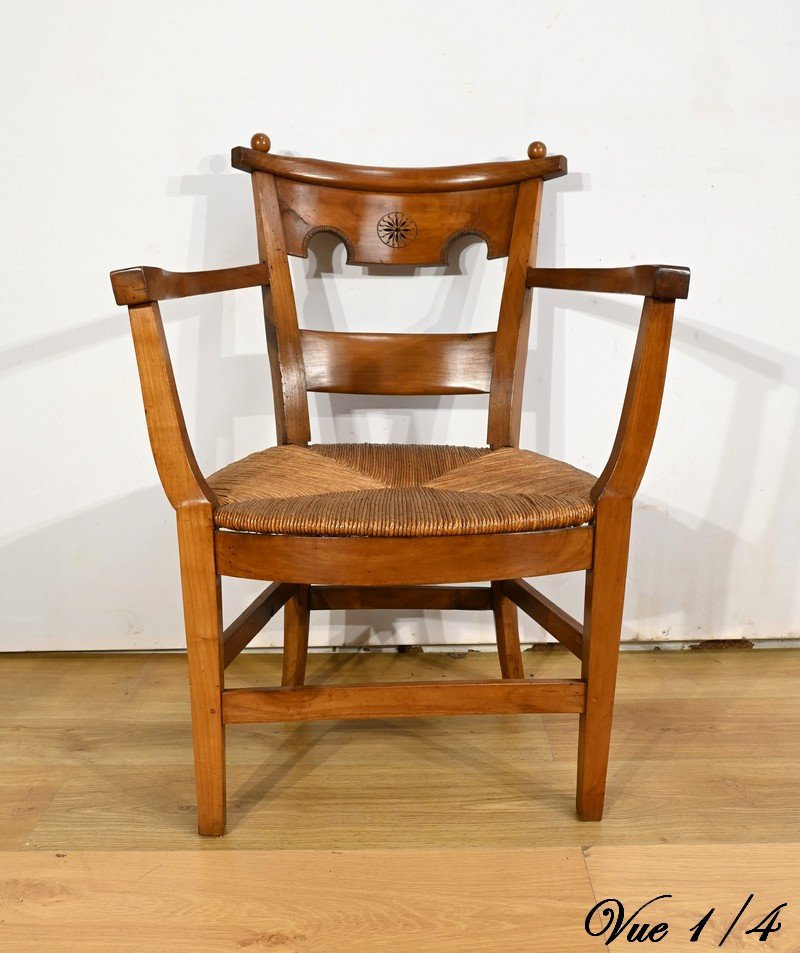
(365, 525)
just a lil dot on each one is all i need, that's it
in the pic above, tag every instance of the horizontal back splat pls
(396, 229)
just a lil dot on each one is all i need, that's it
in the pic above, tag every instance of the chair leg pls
(605, 594)
(295, 638)
(506, 626)
(202, 608)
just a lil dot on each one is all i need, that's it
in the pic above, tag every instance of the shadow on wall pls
(699, 557)
(122, 553)
(683, 567)
(125, 549)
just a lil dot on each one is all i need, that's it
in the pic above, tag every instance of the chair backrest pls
(397, 217)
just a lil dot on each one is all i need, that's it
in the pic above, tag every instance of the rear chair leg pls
(295, 638)
(506, 626)
(202, 609)
(605, 595)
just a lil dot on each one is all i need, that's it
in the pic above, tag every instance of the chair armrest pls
(143, 284)
(665, 282)
(141, 289)
(183, 482)
(660, 285)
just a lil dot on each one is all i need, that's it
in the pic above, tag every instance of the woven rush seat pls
(395, 490)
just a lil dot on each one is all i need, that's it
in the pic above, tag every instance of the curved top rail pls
(362, 178)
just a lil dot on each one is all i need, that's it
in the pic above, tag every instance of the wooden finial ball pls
(260, 142)
(537, 150)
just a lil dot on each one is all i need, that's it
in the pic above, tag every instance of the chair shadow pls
(134, 576)
(698, 555)
(302, 741)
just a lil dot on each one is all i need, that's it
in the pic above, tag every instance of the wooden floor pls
(503, 901)
(433, 834)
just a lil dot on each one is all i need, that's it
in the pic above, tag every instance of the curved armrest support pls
(143, 284)
(637, 427)
(177, 467)
(665, 282)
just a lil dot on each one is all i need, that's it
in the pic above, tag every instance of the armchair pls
(368, 525)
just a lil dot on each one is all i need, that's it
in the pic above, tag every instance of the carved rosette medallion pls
(396, 230)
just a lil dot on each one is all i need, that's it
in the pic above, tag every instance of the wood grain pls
(435, 899)
(666, 282)
(603, 603)
(402, 561)
(280, 317)
(401, 597)
(699, 878)
(690, 726)
(552, 618)
(387, 228)
(473, 782)
(253, 619)
(202, 613)
(513, 326)
(506, 627)
(341, 363)
(25, 794)
(624, 470)
(294, 901)
(401, 700)
(375, 179)
(172, 451)
(145, 284)
(698, 757)
(295, 637)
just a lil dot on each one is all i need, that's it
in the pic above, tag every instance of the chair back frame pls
(396, 217)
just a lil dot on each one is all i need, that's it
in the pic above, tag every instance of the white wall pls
(680, 122)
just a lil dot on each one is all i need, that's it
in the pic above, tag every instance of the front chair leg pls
(506, 626)
(295, 638)
(202, 609)
(605, 595)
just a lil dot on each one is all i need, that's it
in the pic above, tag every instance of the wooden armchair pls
(367, 525)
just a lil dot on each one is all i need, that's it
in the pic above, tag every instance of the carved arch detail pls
(461, 233)
(332, 230)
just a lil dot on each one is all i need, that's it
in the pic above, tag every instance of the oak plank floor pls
(438, 834)
(698, 878)
(293, 901)
(706, 749)
(508, 901)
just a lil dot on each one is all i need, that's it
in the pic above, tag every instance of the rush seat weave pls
(399, 490)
